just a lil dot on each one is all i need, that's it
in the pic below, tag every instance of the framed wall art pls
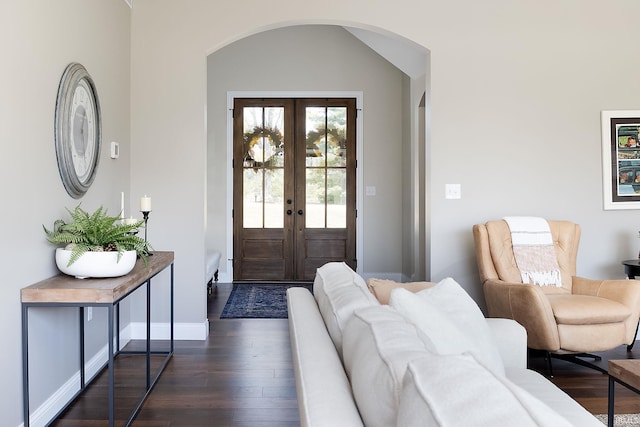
(621, 159)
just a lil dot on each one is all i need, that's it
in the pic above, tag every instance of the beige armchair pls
(580, 317)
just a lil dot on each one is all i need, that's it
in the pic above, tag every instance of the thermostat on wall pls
(115, 150)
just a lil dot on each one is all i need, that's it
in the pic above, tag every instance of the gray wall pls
(39, 39)
(516, 105)
(514, 97)
(316, 58)
(513, 87)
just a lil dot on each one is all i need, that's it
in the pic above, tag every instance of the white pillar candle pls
(130, 221)
(145, 204)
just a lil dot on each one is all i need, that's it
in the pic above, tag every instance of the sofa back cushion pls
(381, 288)
(339, 291)
(378, 344)
(450, 320)
(456, 390)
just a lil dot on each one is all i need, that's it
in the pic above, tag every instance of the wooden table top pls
(67, 289)
(626, 370)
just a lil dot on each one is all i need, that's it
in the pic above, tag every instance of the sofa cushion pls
(378, 343)
(448, 317)
(381, 288)
(456, 390)
(339, 291)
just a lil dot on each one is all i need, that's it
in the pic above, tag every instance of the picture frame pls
(621, 159)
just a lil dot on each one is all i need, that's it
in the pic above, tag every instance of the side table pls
(631, 268)
(625, 372)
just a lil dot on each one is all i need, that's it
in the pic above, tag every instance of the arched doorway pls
(269, 61)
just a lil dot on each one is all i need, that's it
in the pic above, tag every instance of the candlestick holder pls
(145, 218)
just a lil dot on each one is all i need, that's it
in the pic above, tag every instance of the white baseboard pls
(224, 277)
(182, 331)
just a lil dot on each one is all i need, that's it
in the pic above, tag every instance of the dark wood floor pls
(588, 386)
(242, 376)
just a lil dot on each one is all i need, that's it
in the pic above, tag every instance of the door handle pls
(300, 212)
(289, 211)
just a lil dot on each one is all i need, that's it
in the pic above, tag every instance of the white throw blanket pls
(533, 250)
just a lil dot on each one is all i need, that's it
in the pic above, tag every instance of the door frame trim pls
(358, 95)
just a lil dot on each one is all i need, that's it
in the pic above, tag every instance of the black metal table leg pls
(171, 310)
(25, 364)
(111, 369)
(148, 334)
(81, 327)
(611, 402)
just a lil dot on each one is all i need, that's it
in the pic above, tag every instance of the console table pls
(67, 291)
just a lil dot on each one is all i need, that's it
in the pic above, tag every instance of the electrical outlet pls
(89, 314)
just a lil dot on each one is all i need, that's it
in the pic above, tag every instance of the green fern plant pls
(97, 232)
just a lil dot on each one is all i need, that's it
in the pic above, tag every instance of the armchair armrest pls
(626, 292)
(511, 339)
(527, 305)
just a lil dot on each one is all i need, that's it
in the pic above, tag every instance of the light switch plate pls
(452, 191)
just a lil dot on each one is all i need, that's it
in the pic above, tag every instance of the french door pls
(294, 185)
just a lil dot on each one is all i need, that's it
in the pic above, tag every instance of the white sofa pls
(360, 363)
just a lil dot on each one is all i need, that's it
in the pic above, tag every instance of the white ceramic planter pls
(96, 264)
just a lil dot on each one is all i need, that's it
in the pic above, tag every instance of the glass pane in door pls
(316, 118)
(315, 194)
(337, 136)
(263, 167)
(252, 198)
(326, 161)
(274, 198)
(336, 198)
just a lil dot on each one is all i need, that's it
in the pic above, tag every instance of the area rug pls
(258, 301)
(622, 420)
